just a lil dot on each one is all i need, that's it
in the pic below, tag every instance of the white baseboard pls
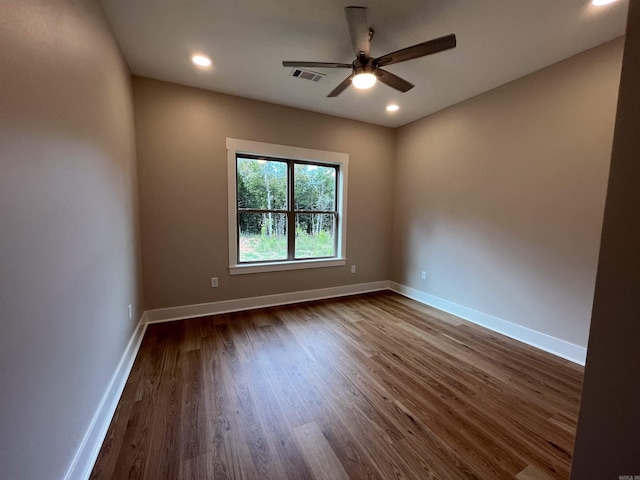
(561, 348)
(555, 346)
(85, 457)
(214, 308)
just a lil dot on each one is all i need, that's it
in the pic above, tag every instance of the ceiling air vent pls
(306, 74)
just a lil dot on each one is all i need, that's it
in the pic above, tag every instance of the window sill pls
(282, 266)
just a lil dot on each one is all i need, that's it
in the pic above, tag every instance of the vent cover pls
(306, 74)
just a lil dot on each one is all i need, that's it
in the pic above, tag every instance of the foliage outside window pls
(286, 209)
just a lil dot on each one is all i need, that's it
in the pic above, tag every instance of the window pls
(287, 207)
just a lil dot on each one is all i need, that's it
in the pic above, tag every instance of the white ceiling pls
(498, 41)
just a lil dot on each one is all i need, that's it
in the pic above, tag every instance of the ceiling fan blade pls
(417, 51)
(342, 87)
(358, 29)
(317, 64)
(393, 80)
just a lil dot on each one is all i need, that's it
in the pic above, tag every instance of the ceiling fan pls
(366, 70)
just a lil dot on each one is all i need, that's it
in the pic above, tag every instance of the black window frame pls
(291, 210)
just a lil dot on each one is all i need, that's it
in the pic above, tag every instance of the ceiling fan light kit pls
(364, 77)
(365, 71)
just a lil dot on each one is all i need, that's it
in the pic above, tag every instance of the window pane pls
(262, 184)
(315, 235)
(315, 187)
(263, 236)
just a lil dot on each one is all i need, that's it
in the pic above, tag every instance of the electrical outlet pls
(214, 282)
(423, 275)
(353, 269)
(130, 310)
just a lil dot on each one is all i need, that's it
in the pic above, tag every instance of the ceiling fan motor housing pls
(360, 69)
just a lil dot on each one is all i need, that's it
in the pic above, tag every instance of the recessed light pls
(201, 60)
(392, 108)
(599, 3)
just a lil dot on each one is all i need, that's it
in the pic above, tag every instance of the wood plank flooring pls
(371, 386)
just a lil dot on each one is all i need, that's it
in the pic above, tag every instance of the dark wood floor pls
(372, 386)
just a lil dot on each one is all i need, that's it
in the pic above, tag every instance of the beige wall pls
(607, 442)
(68, 222)
(500, 198)
(181, 134)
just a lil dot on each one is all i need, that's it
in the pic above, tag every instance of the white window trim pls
(237, 146)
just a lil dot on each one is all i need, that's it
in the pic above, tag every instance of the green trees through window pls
(277, 222)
